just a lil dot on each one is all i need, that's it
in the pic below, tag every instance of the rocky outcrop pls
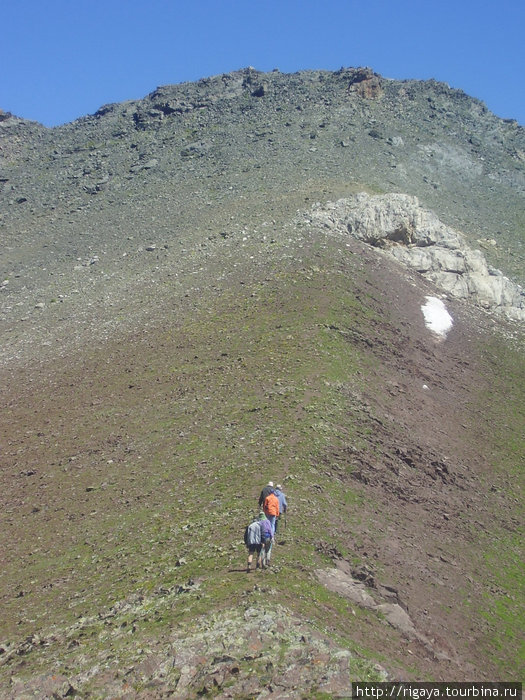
(366, 83)
(416, 237)
(257, 652)
(340, 581)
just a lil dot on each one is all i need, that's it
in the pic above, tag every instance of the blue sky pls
(62, 59)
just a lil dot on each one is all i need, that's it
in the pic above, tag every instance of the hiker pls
(253, 541)
(271, 509)
(266, 540)
(266, 490)
(283, 505)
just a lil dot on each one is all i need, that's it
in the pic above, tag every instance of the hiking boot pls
(248, 569)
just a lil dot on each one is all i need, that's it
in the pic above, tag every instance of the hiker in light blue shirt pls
(283, 505)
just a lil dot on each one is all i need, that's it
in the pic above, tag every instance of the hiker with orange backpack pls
(271, 509)
(266, 490)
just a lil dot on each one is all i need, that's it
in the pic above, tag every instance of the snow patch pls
(437, 318)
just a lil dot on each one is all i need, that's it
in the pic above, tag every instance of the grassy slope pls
(149, 455)
(158, 449)
(500, 558)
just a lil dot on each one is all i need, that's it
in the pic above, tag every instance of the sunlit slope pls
(133, 466)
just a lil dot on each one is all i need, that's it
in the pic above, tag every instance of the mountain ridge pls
(176, 333)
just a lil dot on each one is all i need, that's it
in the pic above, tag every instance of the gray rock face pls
(416, 237)
(340, 581)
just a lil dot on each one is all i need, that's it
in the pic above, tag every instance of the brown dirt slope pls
(131, 465)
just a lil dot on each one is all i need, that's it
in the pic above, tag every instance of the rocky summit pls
(233, 281)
